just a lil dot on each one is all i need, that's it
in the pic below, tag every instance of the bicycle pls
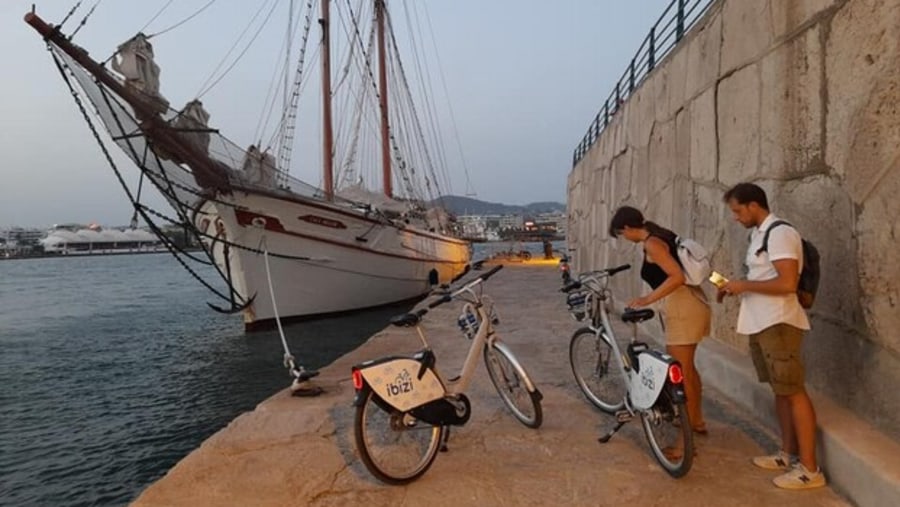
(405, 407)
(641, 382)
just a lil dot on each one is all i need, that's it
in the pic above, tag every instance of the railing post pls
(651, 60)
(631, 77)
(618, 97)
(679, 22)
(606, 112)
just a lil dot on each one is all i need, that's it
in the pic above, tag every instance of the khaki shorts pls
(776, 356)
(686, 316)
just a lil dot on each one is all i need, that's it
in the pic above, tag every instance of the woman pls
(686, 315)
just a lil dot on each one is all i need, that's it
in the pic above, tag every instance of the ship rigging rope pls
(288, 357)
(160, 11)
(69, 15)
(168, 243)
(176, 25)
(84, 19)
(421, 66)
(204, 88)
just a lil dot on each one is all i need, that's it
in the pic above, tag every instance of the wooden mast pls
(327, 134)
(383, 98)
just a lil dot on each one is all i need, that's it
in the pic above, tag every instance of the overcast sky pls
(524, 78)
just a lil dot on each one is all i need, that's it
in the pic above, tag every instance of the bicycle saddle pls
(632, 315)
(406, 320)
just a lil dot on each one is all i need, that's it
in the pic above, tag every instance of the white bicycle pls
(405, 407)
(641, 381)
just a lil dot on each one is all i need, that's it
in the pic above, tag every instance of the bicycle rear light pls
(357, 380)
(676, 376)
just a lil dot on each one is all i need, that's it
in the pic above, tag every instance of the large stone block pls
(738, 125)
(703, 53)
(710, 217)
(878, 230)
(789, 16)
(682, 166)
(662, 155)
(659, 83)
(622, 176)
(682, 214)
(791, 123)
(640, 177)
(873, 154)
(861, 55)
(676, 67)
(704, 149)
(746, 33)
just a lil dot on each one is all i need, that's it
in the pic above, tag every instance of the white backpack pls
(694, 260)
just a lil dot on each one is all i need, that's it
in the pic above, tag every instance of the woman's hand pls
(639, 302)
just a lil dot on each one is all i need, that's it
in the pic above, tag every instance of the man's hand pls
(731, 288)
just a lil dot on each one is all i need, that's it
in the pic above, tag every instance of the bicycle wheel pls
(509, 379)
(395, 447)
(669, 434)
(599, 376)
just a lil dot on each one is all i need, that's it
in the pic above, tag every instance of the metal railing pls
(665, 34)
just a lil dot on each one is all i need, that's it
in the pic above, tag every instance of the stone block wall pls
(803, 98)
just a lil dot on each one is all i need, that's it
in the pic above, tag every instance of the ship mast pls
(383, 97)
(327, 134)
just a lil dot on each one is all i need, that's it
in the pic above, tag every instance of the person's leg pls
(784, 410)
(803, 417)
(692, 385)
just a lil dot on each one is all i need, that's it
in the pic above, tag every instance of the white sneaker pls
(800, 478)
(779, 461)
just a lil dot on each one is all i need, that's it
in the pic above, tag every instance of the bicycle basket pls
(577, 302)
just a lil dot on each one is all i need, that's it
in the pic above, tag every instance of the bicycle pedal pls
(623, 416)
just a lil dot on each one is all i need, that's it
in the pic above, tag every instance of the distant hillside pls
(459, 205)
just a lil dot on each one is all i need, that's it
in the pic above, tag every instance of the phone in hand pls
(717, 279)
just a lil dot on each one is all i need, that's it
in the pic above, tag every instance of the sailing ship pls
(316, 251)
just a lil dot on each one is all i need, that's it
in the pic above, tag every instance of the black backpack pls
(809, 277)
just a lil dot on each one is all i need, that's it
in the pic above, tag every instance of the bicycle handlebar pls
(448, 297)
(576, 284)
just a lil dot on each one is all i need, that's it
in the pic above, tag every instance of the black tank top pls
(650, 271)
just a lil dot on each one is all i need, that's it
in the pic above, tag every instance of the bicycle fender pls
(648, 382)
(397, 383)
(529, 385)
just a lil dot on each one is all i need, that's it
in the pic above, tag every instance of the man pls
(774, 320)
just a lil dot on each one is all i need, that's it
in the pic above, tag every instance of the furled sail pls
(135, 62)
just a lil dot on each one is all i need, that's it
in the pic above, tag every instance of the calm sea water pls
(112, 369)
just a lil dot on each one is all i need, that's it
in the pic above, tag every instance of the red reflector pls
(357, 380)
(676, 376)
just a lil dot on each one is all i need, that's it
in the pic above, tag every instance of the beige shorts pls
(686, 315)
(776, 355)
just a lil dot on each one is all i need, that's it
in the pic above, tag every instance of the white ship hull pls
(323, 258)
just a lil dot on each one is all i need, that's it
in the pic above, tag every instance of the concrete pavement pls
(300, 451)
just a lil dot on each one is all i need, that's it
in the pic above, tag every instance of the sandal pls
(675, 453)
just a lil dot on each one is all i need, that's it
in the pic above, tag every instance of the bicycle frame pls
(653, 369)
(409, 382)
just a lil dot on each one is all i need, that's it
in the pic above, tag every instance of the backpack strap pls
(765, 242)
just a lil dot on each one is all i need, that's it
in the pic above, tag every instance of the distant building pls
(73, 239)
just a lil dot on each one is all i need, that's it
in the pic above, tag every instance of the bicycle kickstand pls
(445, 439)
(622, 416)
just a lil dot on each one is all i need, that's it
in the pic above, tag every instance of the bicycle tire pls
(667, 414)
(597, 374)
(509, 378)
(398, 425)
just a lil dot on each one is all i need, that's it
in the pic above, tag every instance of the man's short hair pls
(745, 193)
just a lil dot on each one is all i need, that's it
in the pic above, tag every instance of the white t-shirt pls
(759, 311)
